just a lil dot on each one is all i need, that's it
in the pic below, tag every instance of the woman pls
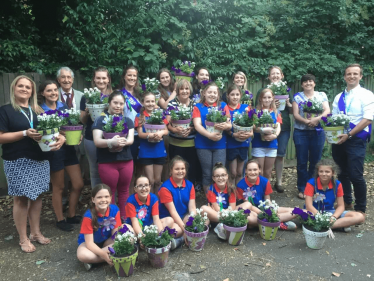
(182, 141)
(25, 167)
(309, 139)
(115, 165)
(202, 74)
(240, 80)
(166, 87)
(63, 159)
(102, 80)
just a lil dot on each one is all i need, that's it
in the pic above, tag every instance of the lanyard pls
(349, 106)
(31, 116)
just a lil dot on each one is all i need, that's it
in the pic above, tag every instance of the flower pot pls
(332, 133)
(110, 136)
(268, 230)
(184, 124)
(72, 134)
(314, 240)
(234, 235)
(310, 115)
(95, 110)
(153, 128)
(158, 256)
(282, 99)
(196, 241)
(210, 127)
(243, 129)
(48, 137)
(274, 126)
(124, 266)
(181, 75)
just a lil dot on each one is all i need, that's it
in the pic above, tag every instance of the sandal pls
(301, 196)
(27, 246)
(40, 239)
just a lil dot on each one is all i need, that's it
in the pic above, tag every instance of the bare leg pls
(350, 218)
(212, 214)
(20, 209)
(75, 175)
(233, 168)
(239, 171)
(285, 215)
(268, 167)
(157, 171)
(168, 221)
(86, 256)
(261, 160)
(148, 171)
(58, 184)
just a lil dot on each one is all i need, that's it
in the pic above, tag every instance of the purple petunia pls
(125, 129)
(173, 68)
(190, 221)
(123, 229)
(171, 231)
(324, 119)
(114, 124)
(288, 90)
(309, 104)
(192, 73)
(116, 119)
(205, 82)
(114, 235)
(111, 250)
(178, 70)
(144, 87)
(189, 64)
(247, 212)
(268, 212)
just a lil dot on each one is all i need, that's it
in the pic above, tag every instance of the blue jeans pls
(283, 138)
(350, 157)
(309, 145)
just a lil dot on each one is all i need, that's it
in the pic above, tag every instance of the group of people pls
(217, 161)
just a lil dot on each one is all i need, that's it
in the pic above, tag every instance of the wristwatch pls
(349, 136)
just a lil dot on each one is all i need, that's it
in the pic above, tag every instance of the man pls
(68, 95)
(349, 153)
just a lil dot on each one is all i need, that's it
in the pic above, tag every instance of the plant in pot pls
(196, 230)
(115, 125)
(215, 116)
(268, 220)
(180, 116)
(281, 92)
(235, 223)
(247, 97)
(49, 124)
(334, 126)
(151, 85)
(265, 122)
(311, 108)
(123, 252)
(71, 126)
(183, 70)
(315, 227)
(96, 102)
(157, 245)
(155, 122)
(244, 122)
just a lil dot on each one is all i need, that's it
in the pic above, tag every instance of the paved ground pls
(286, 258)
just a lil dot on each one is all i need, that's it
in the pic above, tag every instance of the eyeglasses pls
(143, 186)
(220, 176)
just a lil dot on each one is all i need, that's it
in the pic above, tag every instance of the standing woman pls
(308, 141)
(202, 74)
(166, 87)
(101, 79)
(26, 170)
(114, 155)
(63, 159)
(240, 80)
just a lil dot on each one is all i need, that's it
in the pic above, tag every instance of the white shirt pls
(66, 96)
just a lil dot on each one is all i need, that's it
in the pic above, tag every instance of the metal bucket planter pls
(158, 256)
(283, 100)
(332, 134)
(196, 241)
(235, 235)
(124, 266)
(241, 129)
(314, 240)
(95, 110)
(72, 134)
(274, 126)
(153, 128)
(48, 137)
(268, 230)
(210, 127)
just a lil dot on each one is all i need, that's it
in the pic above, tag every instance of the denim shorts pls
(261, 152)
(341, 216)
(59, 159)
(240, 153)
(283, 138)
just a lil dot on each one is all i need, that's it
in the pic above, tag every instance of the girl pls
(324, 190)
(239, 79)
(221, 195)
(254, 188)
(236, 151)
(210, 147)
(166, 87)
(202, 74)
(102, 80)
(99, 223)
(152, 151)
(142, 208)
(308, 141)
(115, 166)
(266, 151)
(177, 198)
(63, 159)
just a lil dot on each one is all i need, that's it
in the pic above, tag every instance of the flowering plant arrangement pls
(247, 97)
(124, 242)
(320, 222)
(115, 124)
(150, 85)
(49, 120)
(179, 113)
(234, 218)
(156, 117)
(219, 82)
(94, 96)
(335, 120)
(312, 106)
(217, 115)
(245, 119)
(269, 211)
(70, 117)
(263, 117)
(196, 222)
(279, 88)
(150, 237)
(184, 66)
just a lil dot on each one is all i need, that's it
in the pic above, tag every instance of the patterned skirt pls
(27, 177)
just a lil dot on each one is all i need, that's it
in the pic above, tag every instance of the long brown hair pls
(231, 188)
(95, 190)
(272, 106)
(33, 101)
(231, 88)
(103, 69)
(42, 86)
(334, 167)
(195, 84)
(161, 88)
(122, 82)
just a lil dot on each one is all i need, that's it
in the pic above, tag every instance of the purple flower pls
(251, 96)
(178, 70)
(173, 68)
(192, 74)
(111, 250)
(114, 235)
(171, 231)
(190, 221)
(324, 119)
(123, 229)
(264, 220)
(260, 113)
(247, 212)
(125, 129)
(189, 64)
(114, 124)
(288, 90)
(205, 82)
(240, 208)
(116, 119)
(144, 87)
(309, 104)
(268, 212)
(250, 113)
(246, 92)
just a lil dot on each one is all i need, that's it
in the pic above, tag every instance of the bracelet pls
(334, 218)
(24, 133)
(109, 144)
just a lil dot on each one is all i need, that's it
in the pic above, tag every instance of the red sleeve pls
(165, 121)
(192, 193)
(240, 193)
(155, 211)
(227, 110)
(232, 198)
(136, 125)
(130, 210)
(165, 195)
(268, 189)
(118, 220)
(196, 112)
(309, 190)
(339, 192)
(211, 197)
(279, 119)
(86, 227)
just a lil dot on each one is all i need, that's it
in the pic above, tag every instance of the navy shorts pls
(135, 149)
(283, 138)
(66, 156)
(152, 161)
(240, 153)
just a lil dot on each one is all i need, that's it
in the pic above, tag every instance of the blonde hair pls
(272, 106)
(33, 100)
(182, 83)
(245, 86)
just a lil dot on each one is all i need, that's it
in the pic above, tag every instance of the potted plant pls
(265, 122)
(123, 252)
(183, 70)
(268, 220)
(334, 126)
(247, 97)
(157, 245)
(180, 116)
(235, 223)
(151, 85)
(49, 124)
(155, 121)
(244, 122)
(215, 116)
(315, 227)
(280, 90)
(95, 102)
(311, 108)
(115, 125)
(196, 230)
(71, 126)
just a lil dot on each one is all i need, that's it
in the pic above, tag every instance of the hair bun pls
(218, 165)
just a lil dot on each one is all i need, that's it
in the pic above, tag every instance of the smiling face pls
(149, 103)
(178, 171)
(165, 79)
(184, 93)
(202, 75)
(275, 75)
(101, 80)
(22, 90)
(234, 97)
(325, 173)
(65, 80)
(50, 93)
(116, 105)
(308, 85)
(352, 76)
(266, 100)
(220, 177)
(252, 172)
(130, 78)
(239, 80)
(211, 95)
(142, 188)
(102, 200)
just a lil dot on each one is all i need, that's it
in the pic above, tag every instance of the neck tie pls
(69, 101)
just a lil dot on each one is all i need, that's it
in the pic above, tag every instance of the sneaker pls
(288, 225)
(346, 229)
(74, 220)
(87, 266)
(220, 231)
(176, 243)
(279, 188)
(63, 225)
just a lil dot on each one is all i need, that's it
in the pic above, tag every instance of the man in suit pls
(68, 95)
